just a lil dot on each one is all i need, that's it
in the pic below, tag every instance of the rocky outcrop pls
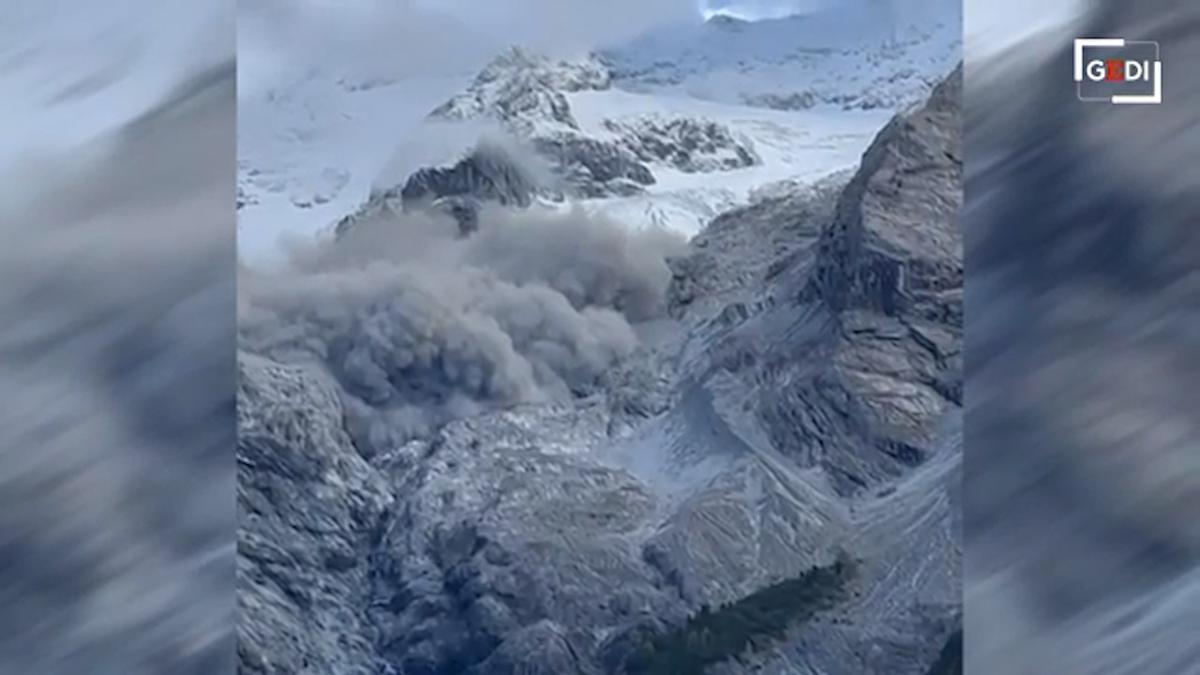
(740, 250)
(502, 540)
(790, 101)
(857, 374)
(311, 511)
(526, 95)
(594, 168)
(689, 144)
(578, 166)
(885, 278)
(895, 246)
(488, 173)
(525, 91)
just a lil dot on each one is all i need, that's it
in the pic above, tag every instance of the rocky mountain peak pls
(524, 90)
(587, 73)
(726, 22)
(896, 243)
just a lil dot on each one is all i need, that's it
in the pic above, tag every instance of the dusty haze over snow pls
(531, 307)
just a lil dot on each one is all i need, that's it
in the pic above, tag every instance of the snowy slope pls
(804, 146)
(851, 55)
(309, 152)
(805, 94)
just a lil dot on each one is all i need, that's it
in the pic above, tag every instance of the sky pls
(398, 38)
(563, 25)
(988, 26)
(278, 39)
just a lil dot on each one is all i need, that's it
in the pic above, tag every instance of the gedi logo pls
(1118, 71)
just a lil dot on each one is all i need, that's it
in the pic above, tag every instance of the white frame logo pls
(1154, 97)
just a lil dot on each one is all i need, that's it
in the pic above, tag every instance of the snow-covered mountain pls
(541, 435)
(850, 55)
(310, 148)
(668, 129)
(541, 446)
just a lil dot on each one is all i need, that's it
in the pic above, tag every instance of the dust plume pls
(420, 324)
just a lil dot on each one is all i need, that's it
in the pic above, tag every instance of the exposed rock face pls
(524, 90)
(890, 269)
(690, 145)
(798, 404)
(505, 539)
(487, 173)
(862, 381)
(311, 511)
(527, 95)
(875, 257)
(734, 251)
(792, 101)
(887, 274)
(595, 168)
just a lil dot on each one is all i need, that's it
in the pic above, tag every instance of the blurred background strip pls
(1082, 469)
(117, 304)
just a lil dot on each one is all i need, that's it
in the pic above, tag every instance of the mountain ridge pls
(802, 107)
